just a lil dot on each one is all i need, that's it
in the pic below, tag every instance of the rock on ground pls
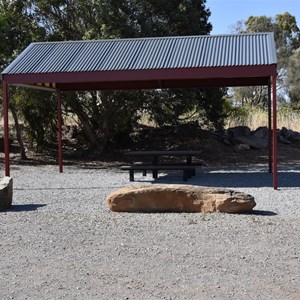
(179, 198)
(6, 191)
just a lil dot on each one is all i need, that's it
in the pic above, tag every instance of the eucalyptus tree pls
(103, 115)
(294, 77)
(17, 30)
(287, 34)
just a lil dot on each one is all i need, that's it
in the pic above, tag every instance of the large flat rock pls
(179, 198)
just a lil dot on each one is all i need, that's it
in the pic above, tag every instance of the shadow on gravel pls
(266, 213)
(232, 179)
(251, 180)
(63, 188)
(25, 207)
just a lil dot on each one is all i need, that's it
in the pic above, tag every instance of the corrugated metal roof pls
(146, 54)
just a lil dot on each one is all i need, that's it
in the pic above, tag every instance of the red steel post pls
(6, 127)
(275, 150)
(270, 142)
(59, 130)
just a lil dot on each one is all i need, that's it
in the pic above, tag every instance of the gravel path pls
(59, 240)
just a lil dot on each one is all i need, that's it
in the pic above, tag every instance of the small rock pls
(240, 147)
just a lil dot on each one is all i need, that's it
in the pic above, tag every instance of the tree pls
(159, 18)
(174, 106)
(290, 33)
(167, 18)
(132, 19)
(286, 33)
(103, 115)
(285, 30)
(18, 29)
(294, 76)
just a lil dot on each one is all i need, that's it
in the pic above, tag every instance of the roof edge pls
(17, 59)
(157, 37)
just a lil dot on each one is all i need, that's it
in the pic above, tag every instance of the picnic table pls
(157, 164)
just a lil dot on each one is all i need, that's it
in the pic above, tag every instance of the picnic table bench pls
(155, 165)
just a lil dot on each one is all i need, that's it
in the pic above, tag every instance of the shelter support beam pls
(275, 152)
(59, 130)
(270, 126)
(6, 127)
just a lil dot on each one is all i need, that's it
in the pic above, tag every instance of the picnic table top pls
(164, 152)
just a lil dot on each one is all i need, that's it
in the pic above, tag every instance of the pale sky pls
(226, 13)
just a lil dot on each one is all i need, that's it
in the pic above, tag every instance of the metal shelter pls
(147, 63)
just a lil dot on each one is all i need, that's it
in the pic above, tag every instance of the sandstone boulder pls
(6, 191)
(179, 198)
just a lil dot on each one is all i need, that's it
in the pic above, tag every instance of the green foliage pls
(18, 29)
(237, 113)
(39, 111)
(252, 96)
(138, 18)
(287, 109)
(285, 30)
(106, 115)
(294, 76)
(287, 23)
(240, 113)
(176, 106)
(120, 18)
(260, 24)
(287, 37)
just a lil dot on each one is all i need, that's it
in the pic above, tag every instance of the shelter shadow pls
(248, 180)
(233, 179)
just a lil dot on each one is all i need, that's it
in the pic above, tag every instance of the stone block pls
(179, 198)
(6, 192)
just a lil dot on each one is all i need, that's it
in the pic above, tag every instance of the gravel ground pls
(60, 241)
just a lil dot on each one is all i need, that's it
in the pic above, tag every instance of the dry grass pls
(258, 117)
(253, 118)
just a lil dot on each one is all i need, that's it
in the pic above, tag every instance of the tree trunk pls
(89, 132)
(87, 127)
(19, 134)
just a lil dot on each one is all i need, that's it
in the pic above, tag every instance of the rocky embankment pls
(243, 137)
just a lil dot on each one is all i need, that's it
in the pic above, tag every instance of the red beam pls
(151, 84)
(143, 75)
(6, 127)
